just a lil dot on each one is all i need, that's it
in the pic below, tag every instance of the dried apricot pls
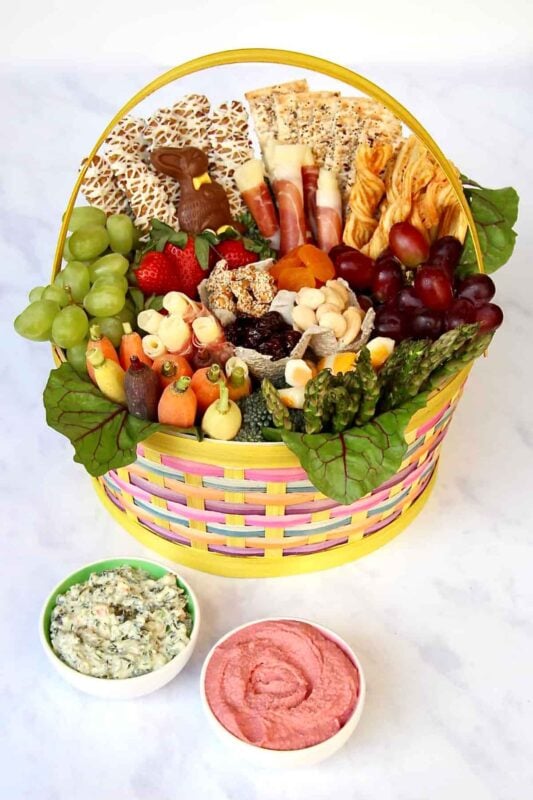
(318, 261)
(289, 260)
(295, 278)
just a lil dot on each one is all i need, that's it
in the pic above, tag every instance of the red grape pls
(407, 301)
(446, 252)
(356, 268)
(461, 312)
(479, 289)
(426, 324)
(489, 316)
(389, 322)
(408, 244)
(433, 287)
(387, 280)
(364, 301)
(386, 254)
(338, 250)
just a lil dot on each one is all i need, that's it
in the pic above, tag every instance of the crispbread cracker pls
(230, 146)
(262, 107)
(317, 112)
(101, 189)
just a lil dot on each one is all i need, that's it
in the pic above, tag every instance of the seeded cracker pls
(261, 102)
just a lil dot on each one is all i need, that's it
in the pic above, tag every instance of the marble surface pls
(441, 617)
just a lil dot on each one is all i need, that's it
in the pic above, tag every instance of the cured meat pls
(310, 184)
(328, 211)
(287, 161)
(255, 193)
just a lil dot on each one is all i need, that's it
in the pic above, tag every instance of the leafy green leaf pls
(155, 301)
(253, 241)
(137, 297)
(346, 466)
(495, 212)
(201, 251)
(160, 234)
(103, 433)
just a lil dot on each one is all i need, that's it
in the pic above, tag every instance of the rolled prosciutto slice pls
(328, 211)
(310, 185)
(251, 183)
(286, 173)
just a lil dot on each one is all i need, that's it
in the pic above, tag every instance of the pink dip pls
(281, 685)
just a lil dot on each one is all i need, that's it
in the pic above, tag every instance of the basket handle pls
(289, 58)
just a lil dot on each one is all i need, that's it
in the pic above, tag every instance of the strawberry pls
(187, 269)
(235, 253)
(156, 274)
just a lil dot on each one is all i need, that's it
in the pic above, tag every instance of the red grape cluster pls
(435, 302)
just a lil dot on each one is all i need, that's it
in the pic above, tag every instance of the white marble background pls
(441, 617)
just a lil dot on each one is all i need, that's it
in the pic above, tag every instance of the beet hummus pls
(282, 685)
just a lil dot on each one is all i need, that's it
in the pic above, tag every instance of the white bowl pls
(263, 757)
(120, 688)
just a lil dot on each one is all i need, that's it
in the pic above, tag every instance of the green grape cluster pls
(91, 286)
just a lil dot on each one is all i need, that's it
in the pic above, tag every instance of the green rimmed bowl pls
(120, 688)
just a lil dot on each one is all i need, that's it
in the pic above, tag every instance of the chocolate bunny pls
(201, 206)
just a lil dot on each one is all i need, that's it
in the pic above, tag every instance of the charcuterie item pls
(286, 174)
(328, 211)
(251, 183)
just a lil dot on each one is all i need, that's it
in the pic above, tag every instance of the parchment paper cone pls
(320, 340)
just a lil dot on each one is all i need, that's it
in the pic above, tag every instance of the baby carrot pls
(178, 404)
(100, 342)
(205, 385)
(131, 345)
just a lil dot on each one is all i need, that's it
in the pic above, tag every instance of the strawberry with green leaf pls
(173, 261)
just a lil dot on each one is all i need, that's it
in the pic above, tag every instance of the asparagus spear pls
(411, 355)
(317, 405)
(441, 351)
(280, 414)
(369, 387)
(469, 352)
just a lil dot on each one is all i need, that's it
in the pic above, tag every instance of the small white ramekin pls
(120, 688)
(263, 757)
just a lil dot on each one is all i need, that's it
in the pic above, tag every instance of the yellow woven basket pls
(248, 510)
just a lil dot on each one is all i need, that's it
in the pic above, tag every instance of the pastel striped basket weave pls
(248, 510)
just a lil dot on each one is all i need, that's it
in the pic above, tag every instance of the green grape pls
(86, 215)
(35, 322)
(88, 242)
(104, 301)
(36, 293)
(76, 357)
(70, 327)
(110, 327)
(109, 279)
(76, 276)
(57, 295)
(67, 255)
(128, 313)
(112, 263)
(59, 279)
(120, 230)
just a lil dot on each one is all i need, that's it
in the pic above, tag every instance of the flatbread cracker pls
(262, 107)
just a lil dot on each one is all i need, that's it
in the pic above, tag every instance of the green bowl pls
(124, 688)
